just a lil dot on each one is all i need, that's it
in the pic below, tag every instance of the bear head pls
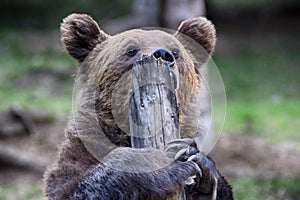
(103, 59)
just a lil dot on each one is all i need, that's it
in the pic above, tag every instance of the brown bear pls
(80, 173)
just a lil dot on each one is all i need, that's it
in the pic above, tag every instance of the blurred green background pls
(258, 55)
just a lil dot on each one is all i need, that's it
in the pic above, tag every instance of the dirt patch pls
(248, 156)
(42, 147)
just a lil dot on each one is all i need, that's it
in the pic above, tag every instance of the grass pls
(21, 191)
(263, 90)
(274, 122)
(262, 189)
(19, 84)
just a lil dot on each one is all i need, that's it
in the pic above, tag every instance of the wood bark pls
(153, 111)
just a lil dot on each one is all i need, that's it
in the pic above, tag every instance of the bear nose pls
(165, 55)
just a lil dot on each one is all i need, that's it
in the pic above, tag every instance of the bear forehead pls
(145, 38)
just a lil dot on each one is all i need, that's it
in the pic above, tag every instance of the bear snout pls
(165, 55)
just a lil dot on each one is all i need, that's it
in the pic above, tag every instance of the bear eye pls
(132, 52)
(175, 53)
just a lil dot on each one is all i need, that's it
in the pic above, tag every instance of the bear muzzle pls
(164, 54)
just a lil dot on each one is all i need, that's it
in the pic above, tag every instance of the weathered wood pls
(154, 118)
(153, 111)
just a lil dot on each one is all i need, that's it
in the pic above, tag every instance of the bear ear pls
(201, 30)
(80, 34)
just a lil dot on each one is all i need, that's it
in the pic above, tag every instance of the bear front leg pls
(107, 181)
(211, 185)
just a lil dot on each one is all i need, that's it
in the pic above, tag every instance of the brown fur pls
(102, 62)
(201, 30)
(80, 34)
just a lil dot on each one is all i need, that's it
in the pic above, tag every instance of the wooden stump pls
(154, 117)
(153, 110)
